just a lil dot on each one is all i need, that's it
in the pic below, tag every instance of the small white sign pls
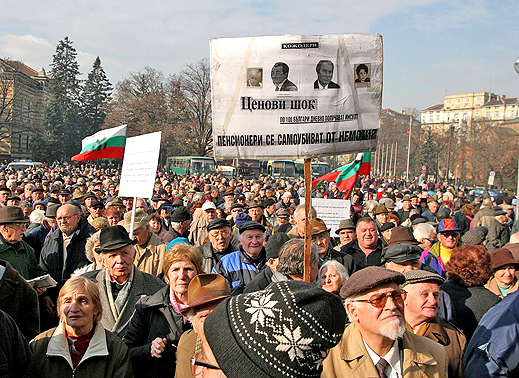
(331, 211)
(141, 157)
(491, 179)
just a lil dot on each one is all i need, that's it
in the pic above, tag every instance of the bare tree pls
(7, 99)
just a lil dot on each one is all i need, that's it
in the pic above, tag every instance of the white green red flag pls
(105, 144)
(346, 176)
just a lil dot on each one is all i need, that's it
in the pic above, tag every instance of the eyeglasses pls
(451, 234)
(214, 234)
(379, 300)
(197, 366)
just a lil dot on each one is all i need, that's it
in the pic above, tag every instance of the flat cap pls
(208, 206)
(218, 223)
(283, 213)
(251, 225)
(368, 279)
(237, 205)
(417, 276)
(387, 226)
(402, 252)
(180, 215)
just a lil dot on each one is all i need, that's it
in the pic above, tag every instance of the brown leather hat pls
(205, 289)
(501, 257)
(345, 224)
(381, 209)
(12, 214)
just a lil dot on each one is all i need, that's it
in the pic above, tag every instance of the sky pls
(431, 47)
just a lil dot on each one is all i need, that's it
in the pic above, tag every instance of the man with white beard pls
(376, 343)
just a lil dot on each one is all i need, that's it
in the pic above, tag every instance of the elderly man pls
(376, 343)
(149, 249)
(380, 215)
(421, 314)
(291, 262)
(324, 71)
(403, 212)
(198, 233)
(298, 231)
(241, 266)
(321, 238)
(402, 257)
(180, 223)
(120, 283)
(366, 249)
(449, 237)
(432, 213)
(12, 248)
(499, 230)
(346, 232)
(219, 243)
(285, 200)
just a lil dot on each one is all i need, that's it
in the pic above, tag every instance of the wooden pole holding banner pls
(133, 217)
(308, 227)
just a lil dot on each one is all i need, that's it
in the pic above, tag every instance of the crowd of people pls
(206, 279)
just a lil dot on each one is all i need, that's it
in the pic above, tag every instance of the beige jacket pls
(421, 357)
(492, 286)
(150, 259)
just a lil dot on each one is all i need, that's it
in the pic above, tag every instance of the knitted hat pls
(241, 218)
(285, 330)
(475, 236)
(369, 278)
(417, 276)
(448, 224)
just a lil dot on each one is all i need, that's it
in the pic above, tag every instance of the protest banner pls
(141, 157)
(296, 96)
(331, 211)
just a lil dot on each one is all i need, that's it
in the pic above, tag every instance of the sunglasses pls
(379, 300)
(452, 234)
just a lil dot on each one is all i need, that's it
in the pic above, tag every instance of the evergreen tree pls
(429, 153)
(62, 113)
(95, 97)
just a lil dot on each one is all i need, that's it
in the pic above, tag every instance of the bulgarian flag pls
(105, 144)
(346, 176)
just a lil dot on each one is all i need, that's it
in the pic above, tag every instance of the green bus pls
(182, 165)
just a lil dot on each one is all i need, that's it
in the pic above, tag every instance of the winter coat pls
(421, 357)
(154, 317)
(143, 284)
(498, 235)
(21, 257)
(360, 259)
(211, 257)
(106, 356)
(20, 301)
(150, 259)
(36, 238)
(469, 304)
(492, 286)
(15, 354)
(260, 282)
(186, 349)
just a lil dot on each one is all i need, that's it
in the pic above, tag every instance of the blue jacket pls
(493, 350)
(239, 269)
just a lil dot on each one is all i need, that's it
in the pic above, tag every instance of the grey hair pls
(37, 216)
(198, 196)
(514, 238)
(89, 245)
(423, 231)
(302, 208)
(370, 206)
(292, 257)
(343, 273)
(176, 225)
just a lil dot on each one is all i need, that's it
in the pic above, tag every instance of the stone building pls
(22, 104)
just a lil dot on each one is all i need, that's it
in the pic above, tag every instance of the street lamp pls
(516, 65)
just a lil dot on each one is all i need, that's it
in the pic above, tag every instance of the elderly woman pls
(332, 276)
(80, 346)
(157, 324)
(503, 280)
(205, 292)
(95, 258)
(469, 270)
(112, 215)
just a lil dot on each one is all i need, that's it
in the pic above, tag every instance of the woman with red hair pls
(468, 271)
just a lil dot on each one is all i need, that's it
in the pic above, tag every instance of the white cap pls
(208, 206)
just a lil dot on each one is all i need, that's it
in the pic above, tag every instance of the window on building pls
(466, 100)
(487, 114)
(496, 114)
(458, 101)
(448, 118)
(478, 98)
(448, 102)
(430, 117)
(437, 117)
(465, 117)
(477, 114)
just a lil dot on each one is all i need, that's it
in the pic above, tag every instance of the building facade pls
(22, 104)
(462, 110)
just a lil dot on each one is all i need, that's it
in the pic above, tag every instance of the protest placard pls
(296, 96)
(331, 211)
(141, 156)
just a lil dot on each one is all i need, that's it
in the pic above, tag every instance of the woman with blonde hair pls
(157, 324)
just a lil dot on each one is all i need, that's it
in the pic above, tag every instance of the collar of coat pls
(410, 356)
(58, 344)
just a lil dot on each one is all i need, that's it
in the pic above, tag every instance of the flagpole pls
(394, 165)
(409, 145)
(132, 222)
(308, 226)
